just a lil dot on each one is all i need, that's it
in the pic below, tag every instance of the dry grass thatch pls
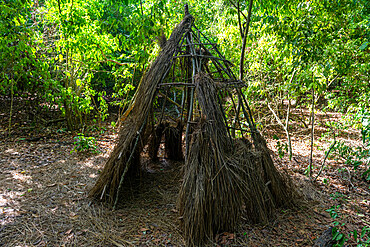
(279, 184)
(133, 134)
(210, 197)
(224, 177)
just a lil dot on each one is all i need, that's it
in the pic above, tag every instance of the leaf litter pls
(43, 196)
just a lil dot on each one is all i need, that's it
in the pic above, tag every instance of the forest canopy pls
(77, 54)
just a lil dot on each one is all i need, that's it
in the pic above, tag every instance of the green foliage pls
(365, 152)
(85, 144)
(360, 155)
(365, 130)
(362, 239)
(333, 211)
(78, 53)
(325, 42)
(20, 63)
(73, 52)
(281, 147)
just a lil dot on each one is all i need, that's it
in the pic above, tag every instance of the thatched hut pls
(224, 175)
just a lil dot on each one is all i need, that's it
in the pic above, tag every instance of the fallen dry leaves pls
(43, 195)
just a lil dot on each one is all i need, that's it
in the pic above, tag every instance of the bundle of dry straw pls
(210, 197)
(224, 177)
(133, 133)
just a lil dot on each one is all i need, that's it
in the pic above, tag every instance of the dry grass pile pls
(258, 200)
(279, 184)
(134, 132)
(210, 197)
(224, 177)
(211, 110)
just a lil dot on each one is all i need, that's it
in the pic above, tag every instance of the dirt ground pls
(43, 191)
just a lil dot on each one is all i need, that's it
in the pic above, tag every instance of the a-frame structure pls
(188, 94)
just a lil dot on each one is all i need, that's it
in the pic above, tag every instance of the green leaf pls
(363, 46)
(364, 231)
(78, 82)
(355, 235)
(335, 233)
(339, 236)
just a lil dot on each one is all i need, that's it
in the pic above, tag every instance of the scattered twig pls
(312, 131)
(349, 177)
(326, 156)
(128, 163)
(110, 60)
(244, 42)
(11, 110)
(120, 245)
(285, 127)
(176, 84)
(48, 122)
(332, 80)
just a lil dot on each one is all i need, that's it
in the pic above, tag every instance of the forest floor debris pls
(43, 192)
